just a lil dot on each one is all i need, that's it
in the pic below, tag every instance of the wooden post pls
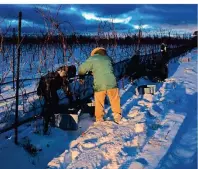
(17, 80)
(13, 59)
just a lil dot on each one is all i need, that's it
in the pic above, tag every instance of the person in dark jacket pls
(47, 88)
(164, 52)
(104, 83)
(163, 48)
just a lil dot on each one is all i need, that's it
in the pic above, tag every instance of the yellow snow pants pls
(114, 99)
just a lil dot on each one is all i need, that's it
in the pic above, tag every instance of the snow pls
(157, 131)
(52, 145)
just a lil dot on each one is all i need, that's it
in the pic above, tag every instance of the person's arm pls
(85, 67)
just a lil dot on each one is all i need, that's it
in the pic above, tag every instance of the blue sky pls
(86, 18)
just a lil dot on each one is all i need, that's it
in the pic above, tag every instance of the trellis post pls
(17, 80)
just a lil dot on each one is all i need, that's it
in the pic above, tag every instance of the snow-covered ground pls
(157, 131)
(37, 61)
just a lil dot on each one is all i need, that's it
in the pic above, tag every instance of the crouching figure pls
(47, 88)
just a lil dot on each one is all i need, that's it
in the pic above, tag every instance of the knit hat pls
(96, 50)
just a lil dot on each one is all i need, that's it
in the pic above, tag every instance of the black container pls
(88, 109)
(67, 121)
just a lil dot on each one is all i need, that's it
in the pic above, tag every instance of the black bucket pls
(89, 108)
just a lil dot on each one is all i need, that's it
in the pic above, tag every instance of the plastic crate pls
(145, 89)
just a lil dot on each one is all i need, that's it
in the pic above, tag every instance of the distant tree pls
(195, 33)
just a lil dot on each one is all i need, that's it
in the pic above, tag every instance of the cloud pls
(92, 16)
(142, 26)
(86, 17)
(140, 18)
(24, 23)
(131, 19)
(73, 9)
(180, 28)
(164, 29)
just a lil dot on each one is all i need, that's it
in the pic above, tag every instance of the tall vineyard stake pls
(17, 81)
(13, 59)
(139, 38)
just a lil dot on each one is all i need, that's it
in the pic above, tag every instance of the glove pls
(81, 81)
(81, 77)
(90, 73)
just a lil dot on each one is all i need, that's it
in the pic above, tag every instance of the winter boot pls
(117, 118)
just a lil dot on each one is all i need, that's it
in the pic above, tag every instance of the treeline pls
(102, 40)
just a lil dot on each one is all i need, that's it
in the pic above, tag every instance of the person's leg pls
(48, 116)
(55, 110)
(99, 105)
(46, 123)
(114, 98)
(52, 120)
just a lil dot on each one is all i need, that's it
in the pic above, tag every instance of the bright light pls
(89, 16)
(92, 16)
(142, 26)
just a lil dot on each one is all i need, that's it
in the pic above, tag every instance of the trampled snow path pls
(157, 131)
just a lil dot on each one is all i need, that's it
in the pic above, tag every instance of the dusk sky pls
(180, 18)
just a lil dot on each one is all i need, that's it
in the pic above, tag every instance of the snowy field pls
(157, 131)
(37, 61)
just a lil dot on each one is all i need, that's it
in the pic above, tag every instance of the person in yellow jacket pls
(104, 83)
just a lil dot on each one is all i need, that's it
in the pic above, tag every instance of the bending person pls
(104, 83)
